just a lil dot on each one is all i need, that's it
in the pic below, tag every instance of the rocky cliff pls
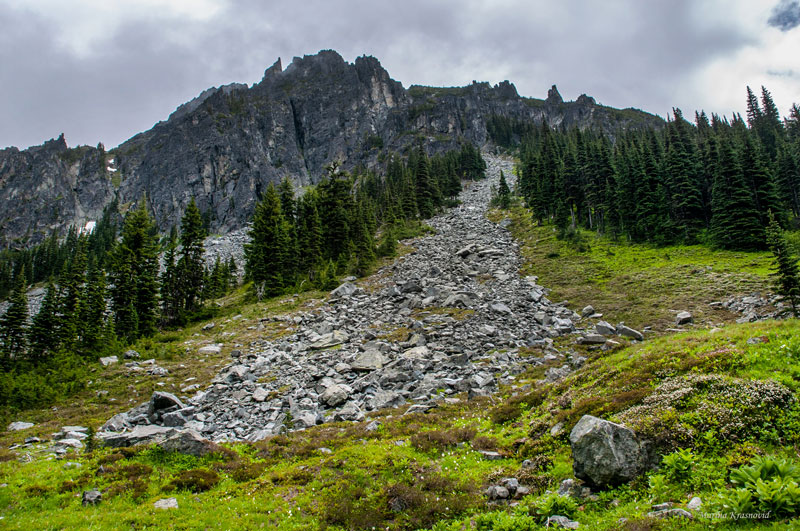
(226, 145)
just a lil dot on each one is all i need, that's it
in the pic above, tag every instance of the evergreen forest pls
(106, 288)
(714, 181)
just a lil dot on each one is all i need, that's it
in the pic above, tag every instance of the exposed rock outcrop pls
(226, 145)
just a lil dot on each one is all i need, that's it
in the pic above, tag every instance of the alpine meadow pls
(326, 300)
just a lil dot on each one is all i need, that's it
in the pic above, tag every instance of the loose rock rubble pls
(447, 318)
(755, 307)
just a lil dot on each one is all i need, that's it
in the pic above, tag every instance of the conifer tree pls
(191, 265)
(171, 295)
(787, 273)
(682, 172)
(134, 275)
(14, 324)
(93, 315)
(309, 235)
(72, 283)
(761, 182)
(503, 192)
(788, 178)
(734, 220)
(424, 187)
(44, 335)
(263, 254)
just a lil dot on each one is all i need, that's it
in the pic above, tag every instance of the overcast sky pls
(103, 70)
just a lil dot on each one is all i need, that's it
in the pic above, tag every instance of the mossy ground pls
(641, 285)
(422, 471)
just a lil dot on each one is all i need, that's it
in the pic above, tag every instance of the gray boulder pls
(592, 339)
(166, 503)
(345, 290)
(161, 402)
(19, 425)
(605, 454)
(369, 360)
(138, 435)
(605, 328)
(335, 394)
(189, 442)
(91, 497)
(557, 521)
(630, 332)
(108, 361)
(331, 339)
(683, 318)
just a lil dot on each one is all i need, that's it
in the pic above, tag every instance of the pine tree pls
(683, 179)
(93, 315)
(424, 187)
(171, 295)
(72, 283)
(787, 273)
(503, 193)
(761, 182)
(14, 324)
(191, 265)
(263, 254)
(309, 235)
(134, 275)
(753, 109)
(734, 220)
(788, 178)
(44, 336)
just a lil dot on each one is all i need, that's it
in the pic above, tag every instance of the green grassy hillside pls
(712, 399)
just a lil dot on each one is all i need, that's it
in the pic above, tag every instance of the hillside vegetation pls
(712, 399)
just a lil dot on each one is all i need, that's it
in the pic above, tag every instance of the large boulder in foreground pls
(605, 454)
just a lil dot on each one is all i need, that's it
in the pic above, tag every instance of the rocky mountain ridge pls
(226, 145)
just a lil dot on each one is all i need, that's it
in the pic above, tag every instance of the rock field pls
(447, 318)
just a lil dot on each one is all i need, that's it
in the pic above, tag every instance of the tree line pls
(713, 181)
(108, 288)
(110, 291)
(305, 242)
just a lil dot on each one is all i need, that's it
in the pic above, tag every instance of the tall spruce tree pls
(264, 254)
(44, 336)
(424, 187)
(191, 265)
(14, 324)
(134, 275)
(787, 273)
(91, 342)
(503, 192)
(171, 286)
(734, 220)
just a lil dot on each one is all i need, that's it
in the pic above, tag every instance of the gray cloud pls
(785, 16)
(627, 53)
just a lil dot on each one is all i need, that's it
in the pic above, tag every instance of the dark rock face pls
(226, 145)
(50, 187)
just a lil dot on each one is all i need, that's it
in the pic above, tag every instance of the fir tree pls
(134, 275)
(761, 182)
(263, 254)
(503, 193)
(93, 315)
(787, 273)
(171, 296)
(14, 324)
(734, 220)
(44, 336)
(191, 265)
(424, 187)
